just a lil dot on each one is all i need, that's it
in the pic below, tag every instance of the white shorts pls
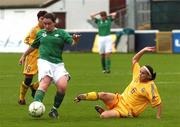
(55, 71)
(105, 44)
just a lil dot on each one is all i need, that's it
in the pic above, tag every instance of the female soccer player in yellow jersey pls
(30, 66)
(135, 98)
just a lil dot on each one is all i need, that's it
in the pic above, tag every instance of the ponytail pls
(153, 76)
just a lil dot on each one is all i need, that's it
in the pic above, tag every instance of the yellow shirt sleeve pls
(153, 95)
(26, 40)
(136, 70)
(31, 35)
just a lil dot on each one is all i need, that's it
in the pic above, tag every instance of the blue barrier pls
(143, 39)
(176, 41)
(85, 43)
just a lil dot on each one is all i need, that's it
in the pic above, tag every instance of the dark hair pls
(103, 13)
(151, 71)
(41, 13)
(50, 16)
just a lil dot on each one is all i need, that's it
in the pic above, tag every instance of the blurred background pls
(139, 23)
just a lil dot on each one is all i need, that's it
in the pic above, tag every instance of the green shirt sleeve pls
(110, 17)
(96, 20)
(67, 37)
(36, 42)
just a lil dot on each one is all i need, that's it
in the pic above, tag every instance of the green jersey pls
(51, 44)
(104, 27)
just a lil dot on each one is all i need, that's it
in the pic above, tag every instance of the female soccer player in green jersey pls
(141, 92)
(50, 42)
(105, 42)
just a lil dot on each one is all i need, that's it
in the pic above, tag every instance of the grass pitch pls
(86, 73)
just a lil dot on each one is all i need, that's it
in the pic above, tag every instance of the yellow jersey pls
(30, 66)
(31, 37)
(138, 95)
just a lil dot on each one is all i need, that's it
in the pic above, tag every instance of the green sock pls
(58, 99)
(103, 63)
(107, 63)
(39, 95)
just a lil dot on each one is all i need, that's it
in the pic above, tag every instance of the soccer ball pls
(36, 109)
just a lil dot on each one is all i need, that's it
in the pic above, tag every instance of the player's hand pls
(21, 60)
(76, 100)
(76, 37)
(150, 49)
(79, 98)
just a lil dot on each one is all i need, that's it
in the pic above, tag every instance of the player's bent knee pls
(61, 89)
(28, 81)
(103, 96)
(104, 115)
(109, 114)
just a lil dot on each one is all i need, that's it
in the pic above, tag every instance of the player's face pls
(49, 25)
(144, 76)
(41, 22)
(103, 17)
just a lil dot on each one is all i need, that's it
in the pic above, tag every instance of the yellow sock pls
(35, 85)
(92, 96)
(23, 91)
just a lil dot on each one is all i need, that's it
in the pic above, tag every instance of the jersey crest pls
(56, 35)
(44, 34)
(142, 90)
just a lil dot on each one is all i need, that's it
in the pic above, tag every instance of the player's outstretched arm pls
(158, 114)
(27, 52)
(113, 15)
(93, 15)
(138, 55)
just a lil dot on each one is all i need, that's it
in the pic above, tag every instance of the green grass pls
(86, 75)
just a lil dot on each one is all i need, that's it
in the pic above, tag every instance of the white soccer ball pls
(36, 109)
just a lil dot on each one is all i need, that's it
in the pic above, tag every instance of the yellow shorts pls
(30, 66)
(119, 106)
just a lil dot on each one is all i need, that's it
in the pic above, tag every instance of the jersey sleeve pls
(31, 36)
(26, 40)
(67, 37)
(136, 70)
(36, 42)
(96, 20)
(153, 95)
(110, 18)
